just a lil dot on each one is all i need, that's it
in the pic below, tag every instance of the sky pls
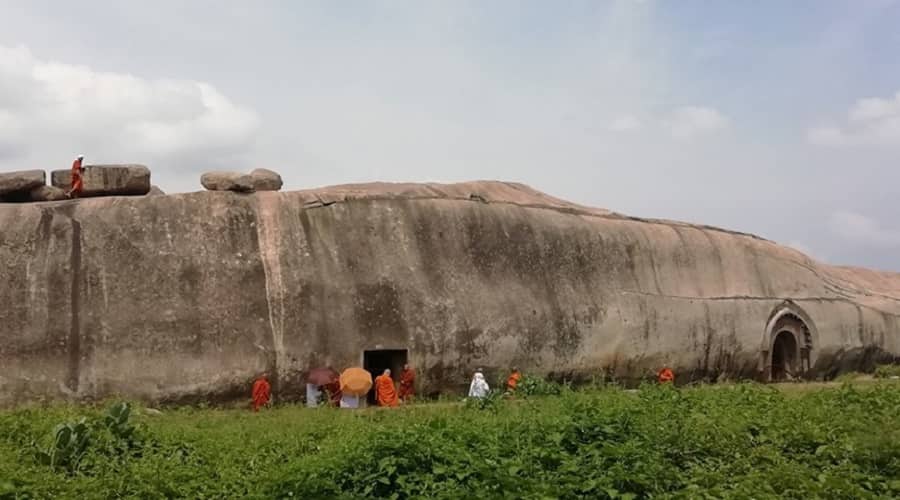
(771, 117)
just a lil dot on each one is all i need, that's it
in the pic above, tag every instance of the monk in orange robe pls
(513, 381)
(666, 376)
(262, 390)
(385, 394)
(77, 177)
(407, 384)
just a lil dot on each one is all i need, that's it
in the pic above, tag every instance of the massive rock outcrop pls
(190, 295)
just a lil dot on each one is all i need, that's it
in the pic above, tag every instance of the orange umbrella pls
(356, 381)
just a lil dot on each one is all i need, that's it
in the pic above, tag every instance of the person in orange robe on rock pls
(407, 384)
(666, 376)
(77, 177)
(513, 381)
(385, 394)
(262, 390)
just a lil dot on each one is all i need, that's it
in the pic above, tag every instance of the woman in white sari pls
(479, 387)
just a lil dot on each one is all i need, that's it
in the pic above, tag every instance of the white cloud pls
(684, 122)
(690, 121)
(113, 116)
(863, 231)
(625, 123)
(870, 122)
(825, 135)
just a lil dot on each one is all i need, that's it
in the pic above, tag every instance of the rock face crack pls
(269, 235)
(756, 297)
(74, 340)
(318, 203)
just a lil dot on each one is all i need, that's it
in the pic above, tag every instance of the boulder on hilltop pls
(260, 179)
(17, 184)
(266, 180)
(227, 181)
(107, 180)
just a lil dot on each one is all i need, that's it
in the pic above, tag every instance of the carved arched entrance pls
(784, 356)
(788, 349)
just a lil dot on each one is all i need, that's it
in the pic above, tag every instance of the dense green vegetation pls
(741, 441)
(887, 371)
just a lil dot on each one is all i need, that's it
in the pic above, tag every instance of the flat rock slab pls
(227, 181)
(107, 180)
(21, 182)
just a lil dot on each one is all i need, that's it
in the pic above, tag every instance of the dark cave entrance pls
(784, 356)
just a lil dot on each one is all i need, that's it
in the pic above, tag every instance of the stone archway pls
(784, 356)
(789, 342)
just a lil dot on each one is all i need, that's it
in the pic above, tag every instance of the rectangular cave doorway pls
(377, 361)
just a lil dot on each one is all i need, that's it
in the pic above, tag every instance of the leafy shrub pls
(117, 421)
(530, 385)
(69, 444)
(887, 371)
(71, 441)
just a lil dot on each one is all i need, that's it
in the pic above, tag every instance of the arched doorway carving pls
(789, 343)
(784, 356)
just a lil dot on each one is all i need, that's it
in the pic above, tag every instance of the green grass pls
(737, 441)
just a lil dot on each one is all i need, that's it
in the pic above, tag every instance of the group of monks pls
(389, 395)
(386, 394)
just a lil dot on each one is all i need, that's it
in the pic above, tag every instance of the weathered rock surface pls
(12, 183)
(189, 296)
(156, 191)
(47, 193)
(107, 180)
(266, 180)
(227, 181)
